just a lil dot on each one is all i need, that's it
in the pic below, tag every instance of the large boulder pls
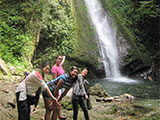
(98, 90)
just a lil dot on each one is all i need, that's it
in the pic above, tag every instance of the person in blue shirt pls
(63, 81)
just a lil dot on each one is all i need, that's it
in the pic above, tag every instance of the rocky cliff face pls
(156, 67)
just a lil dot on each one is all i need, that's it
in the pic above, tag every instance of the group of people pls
(53, 91)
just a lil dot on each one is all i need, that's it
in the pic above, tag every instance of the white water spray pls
(107, 39)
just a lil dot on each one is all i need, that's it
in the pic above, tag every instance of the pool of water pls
(138, 88)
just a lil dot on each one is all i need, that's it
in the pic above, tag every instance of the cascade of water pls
(106, 36)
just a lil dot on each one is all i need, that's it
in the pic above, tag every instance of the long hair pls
(56, 58)
(44, 64)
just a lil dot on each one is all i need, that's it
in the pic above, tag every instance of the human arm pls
(53, 98)
(86, 96)
(58, 86)
(86, 84)
(63, 94)
(50, 94)
(40, 81)
(63, 59)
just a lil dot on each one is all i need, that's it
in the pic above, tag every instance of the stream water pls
(146, 92)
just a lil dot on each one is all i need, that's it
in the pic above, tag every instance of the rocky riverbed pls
(104, 107)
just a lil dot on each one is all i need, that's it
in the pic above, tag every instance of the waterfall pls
(106, 36)
(107, 41)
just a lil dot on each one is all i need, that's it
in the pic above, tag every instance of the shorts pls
(61, 91)
(46, 95)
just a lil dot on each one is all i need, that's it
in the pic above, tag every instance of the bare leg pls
(55, 114)
(47, 114)
(60, 114)
(48, 105)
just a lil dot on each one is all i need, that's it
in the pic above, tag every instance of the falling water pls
(107, 40)
(107, 37)
(116, 84)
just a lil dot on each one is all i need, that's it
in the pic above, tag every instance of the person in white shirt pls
(28, 87)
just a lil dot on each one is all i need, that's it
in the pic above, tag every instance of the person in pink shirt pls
(58, 70)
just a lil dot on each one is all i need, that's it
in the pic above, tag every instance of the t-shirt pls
(58, 70)
(30, 85)
(64, 78)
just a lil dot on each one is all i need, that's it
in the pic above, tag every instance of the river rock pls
(11, 78)
(12, 69)
(16, 78)
(3, 67)
(127, 97)
(4, 77)
(108, 99)
(98, 90)
(121, 98)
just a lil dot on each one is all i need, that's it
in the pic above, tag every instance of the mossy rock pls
(98, 90)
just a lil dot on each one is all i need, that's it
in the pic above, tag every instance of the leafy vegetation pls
(139, 20)
(36, 31)
(24, 24)
(66, 31)
(17, 20)
(57, 31)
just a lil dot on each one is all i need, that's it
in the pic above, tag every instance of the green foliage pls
(139, 19)
(12, 37)
(11, 42)
(19, 23)
(57, 31)
(45, 28)
(149, 8)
